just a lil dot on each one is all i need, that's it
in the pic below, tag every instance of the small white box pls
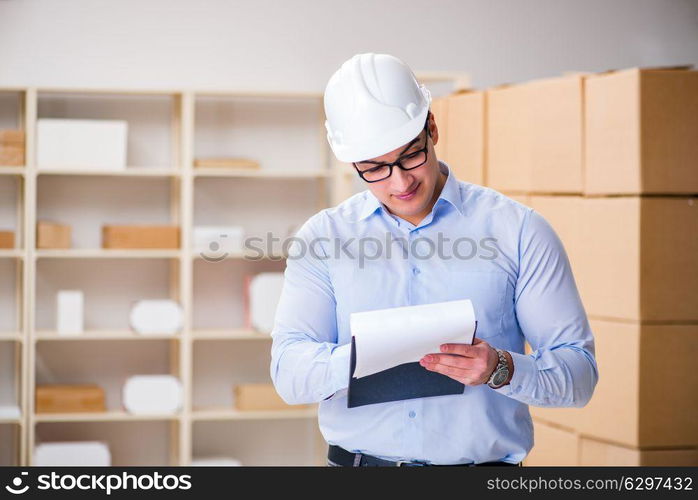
(81, 144)
(10, 411)
(215, 461)
(69, 312)
(215, 241)
(156, 317)
(82, 453)
(264, 295)
(152, 394)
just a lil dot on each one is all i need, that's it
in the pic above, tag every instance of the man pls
(418, 235)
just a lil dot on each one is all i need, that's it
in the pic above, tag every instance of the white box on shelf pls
(69, 453)
(10, 411)
(216, 461)
(152, 394)
(264, 295)
(69, 312)
(214, 241)
(83, 144)
(156, 317)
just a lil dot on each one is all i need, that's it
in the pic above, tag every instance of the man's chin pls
(400, 210)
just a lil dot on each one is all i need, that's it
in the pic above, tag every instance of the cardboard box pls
(595, 453)
(52, 235)
(226, 163)
(252, 397)
(11, 137)
(508, 166)
(641, 129)
(439, 107)
(639, 258)
(534, 136)
(647, 394)
(128, 236)
(552, 446)
(633, 258)
(556, 127)
(7, 239)
(69, 398)
(11, 156)
(465, 141)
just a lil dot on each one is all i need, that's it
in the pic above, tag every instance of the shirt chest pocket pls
(488, 292)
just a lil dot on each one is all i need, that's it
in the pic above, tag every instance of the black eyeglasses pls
(373, 171)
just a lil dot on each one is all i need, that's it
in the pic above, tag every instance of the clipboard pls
(406, 381)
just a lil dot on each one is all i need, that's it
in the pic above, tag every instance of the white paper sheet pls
(390, 337)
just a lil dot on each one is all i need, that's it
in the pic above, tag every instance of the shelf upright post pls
(28, 433)
(185, 139)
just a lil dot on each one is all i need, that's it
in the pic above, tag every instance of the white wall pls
(267, 44)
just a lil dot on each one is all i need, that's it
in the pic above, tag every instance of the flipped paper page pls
(386, 338)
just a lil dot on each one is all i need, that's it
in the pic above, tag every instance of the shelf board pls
(260, 173)
(101, 335)
(11, 253)
(108, 253)
(127, 172)
(230, 334)
(11, 170)
(238, 255)
(107, 416)
(233, 414)
(269, 94)
(10, 420)
(17, 336)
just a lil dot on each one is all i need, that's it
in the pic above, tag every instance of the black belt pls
(339, 456)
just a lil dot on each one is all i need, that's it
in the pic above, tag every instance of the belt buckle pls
(409, 463)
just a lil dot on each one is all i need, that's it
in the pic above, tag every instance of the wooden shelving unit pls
(169, 128)
(38, 197)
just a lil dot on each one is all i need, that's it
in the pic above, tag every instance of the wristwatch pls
(500, 373)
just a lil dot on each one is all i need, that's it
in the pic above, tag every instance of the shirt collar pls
(451, 190)
(449, 193)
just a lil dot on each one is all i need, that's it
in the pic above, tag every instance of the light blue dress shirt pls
(502, 255)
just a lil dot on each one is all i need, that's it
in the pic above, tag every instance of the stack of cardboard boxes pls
(611, 161)
(11, 148)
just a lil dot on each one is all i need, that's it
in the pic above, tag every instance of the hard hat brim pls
(390, 141)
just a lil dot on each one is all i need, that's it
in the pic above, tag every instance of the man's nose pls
(401, 180)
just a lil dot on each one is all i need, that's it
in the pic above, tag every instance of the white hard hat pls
(373, 105)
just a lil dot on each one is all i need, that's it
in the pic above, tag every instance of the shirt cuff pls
(339, 368)
(524, 370)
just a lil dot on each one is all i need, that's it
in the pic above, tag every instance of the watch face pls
(500, 377)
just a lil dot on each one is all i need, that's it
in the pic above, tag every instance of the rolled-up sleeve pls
(307, 364)
(561, 370)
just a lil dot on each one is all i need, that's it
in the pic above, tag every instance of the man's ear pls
(433, 128)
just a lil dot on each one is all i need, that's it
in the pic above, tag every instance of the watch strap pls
(500, 364)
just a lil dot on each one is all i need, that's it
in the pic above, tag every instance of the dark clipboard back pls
(406, 381)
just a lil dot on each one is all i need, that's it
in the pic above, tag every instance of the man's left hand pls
(470, 364)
